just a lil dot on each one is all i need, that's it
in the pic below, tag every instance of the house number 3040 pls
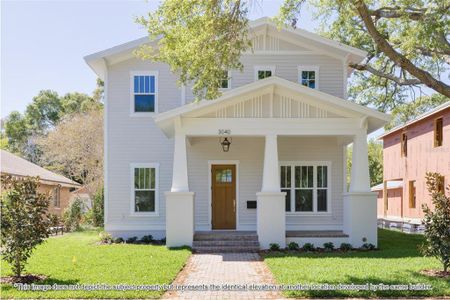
(224, 131)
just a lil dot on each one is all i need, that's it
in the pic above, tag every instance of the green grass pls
(75, 258)
(397, 262)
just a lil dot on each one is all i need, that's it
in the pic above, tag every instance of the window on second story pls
(309, 76)
(225, 83)
(144, 93)
(438, 132)
(262, 72)
(404, 145)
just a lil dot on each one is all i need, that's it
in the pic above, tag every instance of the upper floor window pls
(144, 188)
(309, 76)
(404, 145)
(225, 83)
(306, 185)
(262, 72)
(143, 92)
(438, 132)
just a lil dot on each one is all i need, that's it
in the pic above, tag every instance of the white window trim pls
(143, 73)
(144, 165)
(263, 68)
(293, 188)
(229, 82)
(308, 68)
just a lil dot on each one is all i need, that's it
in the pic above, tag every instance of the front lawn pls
(397, 262)
(75, 258)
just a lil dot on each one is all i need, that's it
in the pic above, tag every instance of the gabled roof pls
(97, 61)
(14, 165)
(421, 117)
(375, 118)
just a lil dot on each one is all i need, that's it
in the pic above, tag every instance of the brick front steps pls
(225, 241)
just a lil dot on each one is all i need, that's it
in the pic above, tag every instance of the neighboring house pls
(83, 194)
(50, 183)
(170, 169)
(410, 151)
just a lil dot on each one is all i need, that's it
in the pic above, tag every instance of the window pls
(144, 92)
(225, 83)
(404, 145)
(306, 185)
(262, 72)
(57, 196)
(412, 194)
(309, 76)
(144, 188)
(438, 132)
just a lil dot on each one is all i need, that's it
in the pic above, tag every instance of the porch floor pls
(316, 233)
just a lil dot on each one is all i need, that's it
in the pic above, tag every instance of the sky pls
(43, 42)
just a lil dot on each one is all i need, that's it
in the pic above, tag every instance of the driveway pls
(224, 276)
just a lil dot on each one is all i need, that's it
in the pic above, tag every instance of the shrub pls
(308, 247)
(132, 240)
(346, 247)
(105, 237)
(147, 239)
(163, 241)
(24, 220)
(293, 246)
(274, 247)
(437, 222)
(119, 240)
(368, 246)
(328, 246)
(73, 215)
(98, 209)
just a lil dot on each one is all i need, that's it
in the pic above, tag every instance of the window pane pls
(141, 84)
(264, 74)
(147, 178)
(224, 176)
(304, 75)
(297, 176)
(152, 178)
(288, 199)
(283, 176)
(321, 200)
(322, 176)
(136, 84)
(305, 82)
(312, 84)
(152, 84)
(147, 84)
(144, 201)
(303, 200)
(288, 176)
(144, 103)
(136, 178)
(141, 178)
(312, 75)
(306, 176)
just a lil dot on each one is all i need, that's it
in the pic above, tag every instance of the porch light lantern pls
(225, 143)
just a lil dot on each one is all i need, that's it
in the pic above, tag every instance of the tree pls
(375, 152)
(75, 148)
(99, 91)
(17, 132)
(77, 102)
(406, 40)
(24, 222)
(437, 222)
(44, 112)
(409, 111)
(199, 40)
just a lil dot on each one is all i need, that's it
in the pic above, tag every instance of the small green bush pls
(147, 239)
(328, 246)
(293, 246)
(346, 247)
(98, 209)
(119, 240)
(163, 241)
(274, 247)
(105, 237)
(132, 240)
(308, 247)
(368, 246)
(73, 215)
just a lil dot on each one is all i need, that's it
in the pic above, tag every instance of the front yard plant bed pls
(78, 258)
(396, 262)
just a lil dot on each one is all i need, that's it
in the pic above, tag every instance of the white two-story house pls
(267, 157)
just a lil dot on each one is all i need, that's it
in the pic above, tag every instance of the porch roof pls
(321, 100)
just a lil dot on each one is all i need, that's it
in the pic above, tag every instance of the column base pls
(179, 219)
(271, 219)
(360, 218)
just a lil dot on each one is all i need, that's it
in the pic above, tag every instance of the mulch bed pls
(29, 278)
(436, 273)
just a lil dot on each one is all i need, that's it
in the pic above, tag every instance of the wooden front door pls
(223, 192)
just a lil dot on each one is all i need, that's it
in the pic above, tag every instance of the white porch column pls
(360, 204)
(179, 201)
(271, 218)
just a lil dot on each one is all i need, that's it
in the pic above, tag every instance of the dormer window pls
(225, 83)
(309, 76)
(143, 93)
(262, 72)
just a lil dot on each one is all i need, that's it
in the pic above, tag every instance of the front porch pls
(272, 129)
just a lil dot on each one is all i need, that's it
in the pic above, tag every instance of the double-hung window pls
(309, 76)
(144, 188)
(225, 82)
(262, 72)
(306, 185)
(143, 92)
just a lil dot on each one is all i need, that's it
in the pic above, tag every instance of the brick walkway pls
(219, 269)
